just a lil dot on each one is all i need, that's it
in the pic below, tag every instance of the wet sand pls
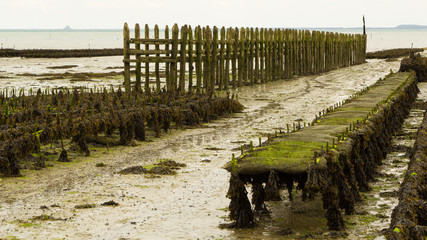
(189, 205)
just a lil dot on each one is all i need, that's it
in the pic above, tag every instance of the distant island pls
(409, 26)
(67, 28)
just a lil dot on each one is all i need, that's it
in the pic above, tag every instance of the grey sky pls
(81, 14)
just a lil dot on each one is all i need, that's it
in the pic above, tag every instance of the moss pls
(286, 151)
(340, 120)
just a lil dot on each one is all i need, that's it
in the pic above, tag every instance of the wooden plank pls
(126, 57)
(150, 52)
(147, 64)
(151, 60)
(150, 41)
(138, 64)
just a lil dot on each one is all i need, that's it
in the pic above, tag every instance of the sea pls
(378, 38)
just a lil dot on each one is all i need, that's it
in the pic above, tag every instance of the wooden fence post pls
(182, 63)
(251, 50)
(126, 57)
(241, 66)
(173, 73)
(198, 33)
(157, 68)
(190, 59)
(208, 55)
(147, 65)
(235, 56)
(256, 46)
(138, 64)
(167, 65)
(221, 82)
(261, 73)
(228, 57)
(214, 63)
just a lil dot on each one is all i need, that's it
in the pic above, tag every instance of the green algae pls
(293, 153)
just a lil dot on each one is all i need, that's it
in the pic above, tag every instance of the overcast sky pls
(106, 14)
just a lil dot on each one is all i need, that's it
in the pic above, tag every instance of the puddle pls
(188, 205)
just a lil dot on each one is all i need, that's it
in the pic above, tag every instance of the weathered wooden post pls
(147, 64)
(241, 63)
(228, 57)
(174, 70)
(214, 63)
(208, 55)
(287, 54)
(235, 56)
(256, 46)
(182, 63)
(157, 68)
(190, 59)
(137, 57)
(126, 57)
(251, 50)
(261, 73)
(198, 33)
(222, 61)
(167, 65)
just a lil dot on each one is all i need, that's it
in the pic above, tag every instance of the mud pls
(191, 204)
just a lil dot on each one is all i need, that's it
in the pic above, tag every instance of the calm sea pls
(378, 39)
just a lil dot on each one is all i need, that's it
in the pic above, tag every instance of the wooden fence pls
(208, 60)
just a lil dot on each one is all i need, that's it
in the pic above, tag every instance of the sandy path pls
(189, 205)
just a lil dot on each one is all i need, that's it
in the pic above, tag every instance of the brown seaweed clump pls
(416, 63)
(409, 217)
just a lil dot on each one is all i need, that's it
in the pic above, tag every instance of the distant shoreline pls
(400, 27)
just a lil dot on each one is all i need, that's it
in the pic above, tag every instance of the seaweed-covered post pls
(138, 63)
(147, 64)
(272, 188)
(240, 207)
(182, 63)
(126, 56)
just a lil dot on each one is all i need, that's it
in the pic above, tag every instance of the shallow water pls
(189, 205)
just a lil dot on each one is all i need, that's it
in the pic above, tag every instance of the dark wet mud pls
(192, 203)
